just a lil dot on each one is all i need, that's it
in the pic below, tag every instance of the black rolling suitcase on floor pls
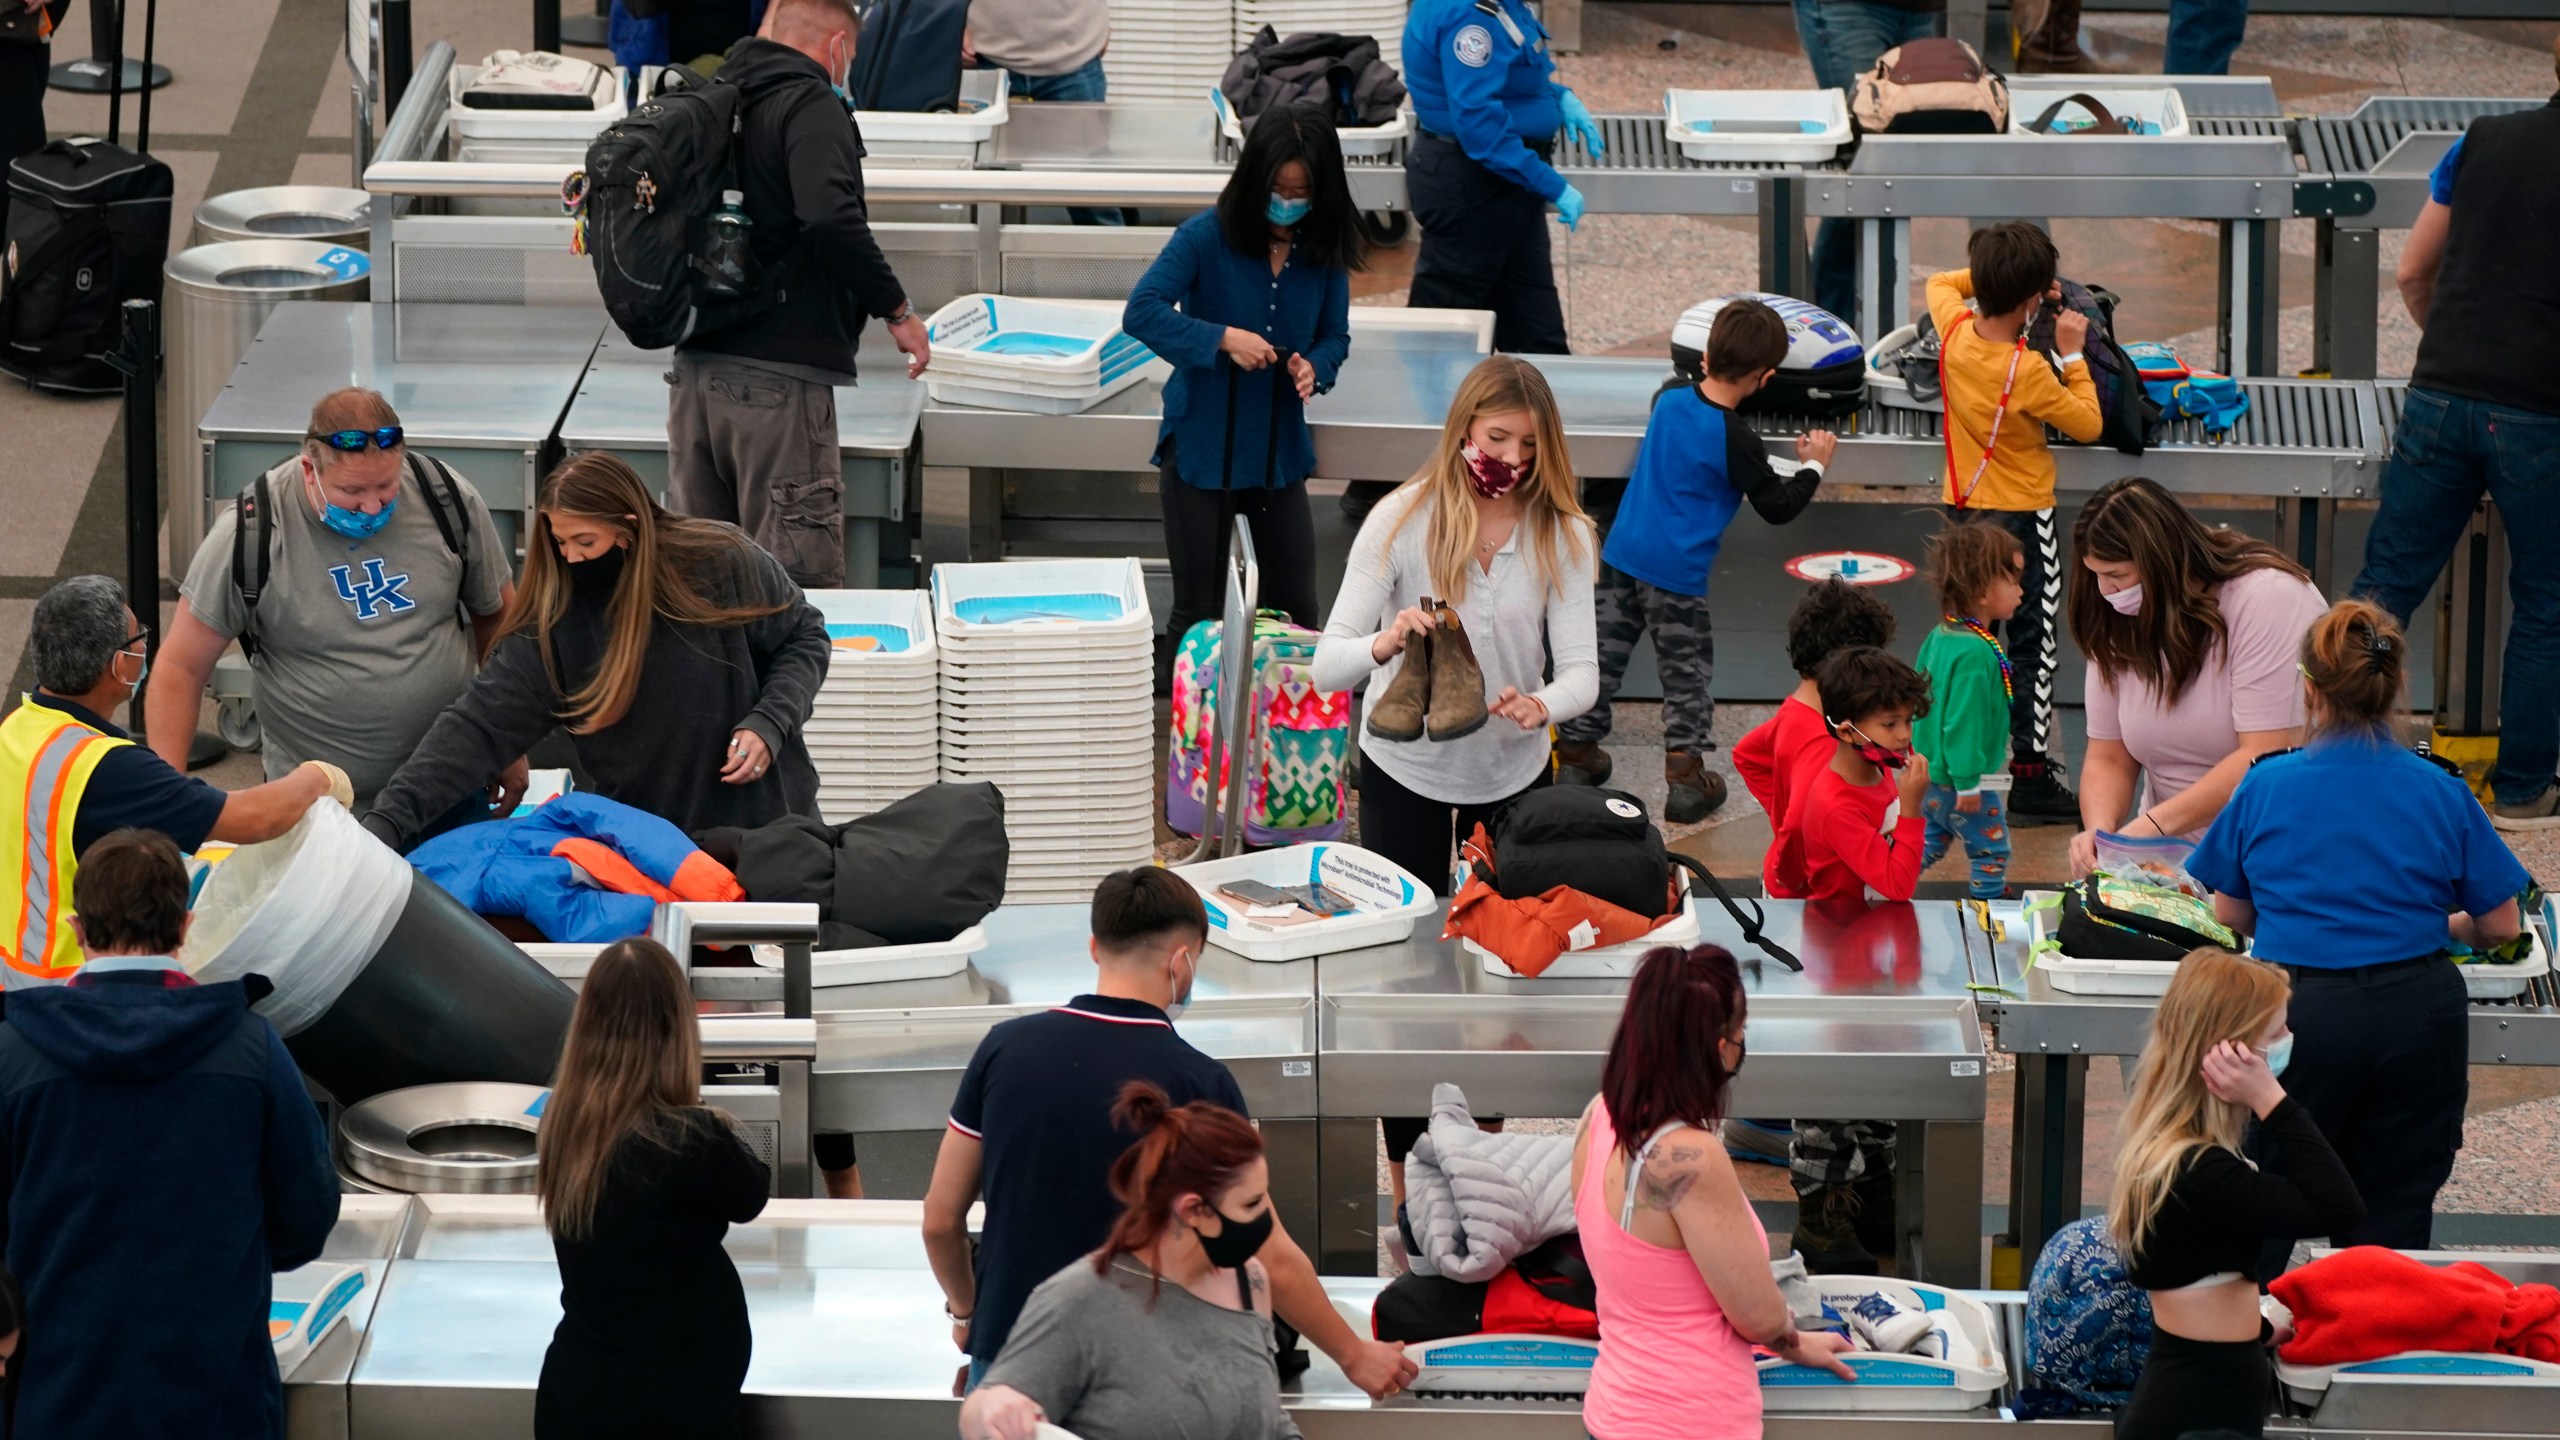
(88, 230)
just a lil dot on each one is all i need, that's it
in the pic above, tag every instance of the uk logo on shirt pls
(376, 594)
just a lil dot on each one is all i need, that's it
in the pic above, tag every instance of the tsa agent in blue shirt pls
(1251, 303)
(2354, 863)
(1697, 464)
(1479, 175)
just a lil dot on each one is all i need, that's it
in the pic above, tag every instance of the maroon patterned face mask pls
(1491, 477)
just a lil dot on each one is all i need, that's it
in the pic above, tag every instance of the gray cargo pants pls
(757, 448)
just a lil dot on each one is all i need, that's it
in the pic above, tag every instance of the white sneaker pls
(1889, 1323)
(2542, 812)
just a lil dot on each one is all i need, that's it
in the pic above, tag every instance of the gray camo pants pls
(1836, 1152)
(1684, 650)
(758, 449)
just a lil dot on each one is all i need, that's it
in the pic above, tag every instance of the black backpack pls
(909, 58)
(444, 502)
(88, 230)
(645, 201)
(2130, 416)
(2095, 927)
(1603, 844)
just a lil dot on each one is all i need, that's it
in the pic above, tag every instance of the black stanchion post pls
(139, 359)
(106, 56)
(397, 58)
(546, 25)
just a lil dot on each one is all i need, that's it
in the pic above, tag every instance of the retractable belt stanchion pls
(97, 74)
(1231, 720)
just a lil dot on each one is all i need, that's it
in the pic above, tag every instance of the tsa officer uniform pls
(1478, 177)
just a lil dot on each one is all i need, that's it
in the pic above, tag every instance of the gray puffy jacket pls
(1475, 1201)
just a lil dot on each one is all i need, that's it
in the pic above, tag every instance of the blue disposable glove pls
(1569, 205)
(1578, 121)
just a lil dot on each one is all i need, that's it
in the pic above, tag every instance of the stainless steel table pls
(890, 1056)
(367, 1234)
(1880, 1025)
(621, 406)
(480, 387)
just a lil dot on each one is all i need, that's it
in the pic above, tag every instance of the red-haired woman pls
(1166, 1330)
(1679, 1259)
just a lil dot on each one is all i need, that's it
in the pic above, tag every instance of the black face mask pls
(1240, 1241)
(599, 573)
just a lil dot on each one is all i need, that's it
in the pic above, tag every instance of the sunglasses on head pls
(354, 441)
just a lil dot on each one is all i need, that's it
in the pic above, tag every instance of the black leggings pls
(1284, 548)
(2192, 1385)
(1415, 831)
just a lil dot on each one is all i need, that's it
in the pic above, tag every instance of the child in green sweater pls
(1978, 569)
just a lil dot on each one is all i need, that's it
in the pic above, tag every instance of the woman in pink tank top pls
(1677, 1256)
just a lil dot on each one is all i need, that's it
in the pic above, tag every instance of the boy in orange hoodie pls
(1999, 399)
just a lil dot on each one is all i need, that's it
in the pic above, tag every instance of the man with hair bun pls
(364, 581)
(68, 776)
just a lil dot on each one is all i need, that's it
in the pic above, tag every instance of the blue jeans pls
(1844, 39)
(2447, 451)
(1084, 85)
(1985, 834)
(2202, 35)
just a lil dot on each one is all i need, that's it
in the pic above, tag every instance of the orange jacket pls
(1529, 933)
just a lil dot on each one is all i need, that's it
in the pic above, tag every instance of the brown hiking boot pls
(1457, 681)
(1695, 791)
(1582, 762)
(1878, 1221)
(1826, 1232)
(2053, 46)
(1399, 712)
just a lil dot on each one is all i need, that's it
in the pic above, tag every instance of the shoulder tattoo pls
(1668, 1177)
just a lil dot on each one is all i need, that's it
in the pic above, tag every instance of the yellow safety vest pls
(46, 759)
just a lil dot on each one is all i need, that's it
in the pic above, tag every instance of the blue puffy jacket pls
(582, 869)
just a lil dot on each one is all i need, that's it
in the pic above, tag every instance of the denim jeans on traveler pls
(1844, 39)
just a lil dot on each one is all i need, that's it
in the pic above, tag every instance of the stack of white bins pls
(1168, 49)
(1381, 20)
(1048, 690)
(873, 732)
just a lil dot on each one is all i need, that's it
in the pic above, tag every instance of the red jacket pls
(1777, 759)
(1848, 848)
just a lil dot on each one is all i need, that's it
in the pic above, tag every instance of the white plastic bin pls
(1389, 897)
(882, 964)
(958, 591)
(1972, 1373)
(2156, 110)
(1002, 353)
(1740, 126)
(2152, 977)
(985, 104)
(464, 124)
(877, 628)
(1356, 139)
(1606, 962)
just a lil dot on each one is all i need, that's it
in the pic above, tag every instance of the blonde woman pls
(639, 1182)
(680, 657)
(1490, 529)
(2190, 1214)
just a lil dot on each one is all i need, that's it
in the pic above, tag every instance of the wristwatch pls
(955, 1319)
(905, 312)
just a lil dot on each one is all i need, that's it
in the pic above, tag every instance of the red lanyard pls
(1999, 413)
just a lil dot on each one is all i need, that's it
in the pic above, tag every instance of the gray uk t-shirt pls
(1117, 1357)
(359, 646)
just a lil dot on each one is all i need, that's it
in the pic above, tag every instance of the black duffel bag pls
(1603, 844)
(88, 230)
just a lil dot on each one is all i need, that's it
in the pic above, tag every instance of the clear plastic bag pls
(2152, 859)
(307, 910)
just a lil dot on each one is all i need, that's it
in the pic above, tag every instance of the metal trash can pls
(330, 213)
(463, 1138)
(216, 298)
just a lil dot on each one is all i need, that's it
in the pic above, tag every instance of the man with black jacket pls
(751, 423)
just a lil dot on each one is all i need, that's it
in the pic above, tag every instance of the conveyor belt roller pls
(2354, 144)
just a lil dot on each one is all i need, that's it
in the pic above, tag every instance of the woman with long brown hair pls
(1165, 1330)
(2355, 863)
(678, 655)
(2190, 1214)
(1464, 584)
(2190, 633)
(639, 1182)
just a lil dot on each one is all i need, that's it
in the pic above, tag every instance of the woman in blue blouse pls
(2355, 862)
(1262, 281)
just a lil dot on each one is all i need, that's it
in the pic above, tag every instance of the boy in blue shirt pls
(1697, 464)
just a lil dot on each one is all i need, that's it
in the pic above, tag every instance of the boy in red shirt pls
(1781, 753)
(1858, 821)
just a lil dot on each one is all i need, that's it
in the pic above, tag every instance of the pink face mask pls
(2127, 601)
(1491, 477)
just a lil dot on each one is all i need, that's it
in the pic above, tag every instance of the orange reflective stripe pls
(42, 897)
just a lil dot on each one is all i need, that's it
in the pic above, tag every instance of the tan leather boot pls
(1581, 762)
(2053, 46)
(1399, 713)
(1457, 681)
(1694, 791)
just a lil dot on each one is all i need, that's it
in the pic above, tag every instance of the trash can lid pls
(277, 269)
(461, 1138)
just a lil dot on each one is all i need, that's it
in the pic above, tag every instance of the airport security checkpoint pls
(928, 717)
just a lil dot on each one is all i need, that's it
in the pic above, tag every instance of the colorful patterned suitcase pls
(1299, 743)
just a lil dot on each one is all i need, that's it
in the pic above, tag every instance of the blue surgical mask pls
(1287, 212)
(843, 96)
(2280, 1054)
(355, 524)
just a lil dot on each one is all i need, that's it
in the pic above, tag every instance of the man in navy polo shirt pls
(1031, 1129)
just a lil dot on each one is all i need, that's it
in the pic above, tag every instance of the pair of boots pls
(1440, 689)
(2049, 39)
(1694, 791)
(1845, 1229)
